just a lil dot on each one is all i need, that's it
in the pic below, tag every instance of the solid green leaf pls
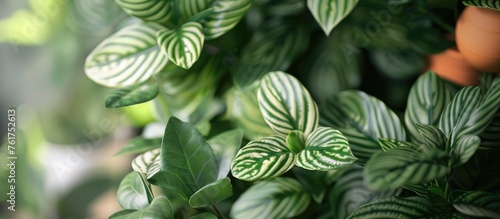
(464, 149)
(264, 158)
(349, 193)
(387, 144)
(296, 141)
(182, 45)
(212, 193)
(362, 119)
(132, 192)
(128, 57)
(225, 147)
(121, 213)
(204, 215)
(160, 208)
(275, 198)
(432, 136)
(491, 4)
(173, 183)
(225, 15)
(134, 94)
(427, 99)
(404, 166)
(478, 204)
(326, 149)
(328, 13)
(396, 208)
(148, 163)
(140, 145)
(186, 154)
(286, 105)
(159, 11)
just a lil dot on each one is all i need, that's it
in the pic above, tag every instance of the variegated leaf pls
(464, 149)
(432, 136)
(128, 57)
(491, 4)
(182, 45)
(395, 208)
(478, 204)
(328, 13)
(275, 198)
(264, 158)
(427, 99)
(225, 15)
(133, 193)
(286, 105)
(387, 144)
(326, 149)
(148, 163)
(189, 8)
(159, 11)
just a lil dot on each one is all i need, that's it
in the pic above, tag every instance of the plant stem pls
(217, 212)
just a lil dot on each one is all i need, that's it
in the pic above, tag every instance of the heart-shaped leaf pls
(328, 13)
(478, 204)
(159, 11)
(128, 57)
(427, 99)
(225, 147)
(326, 149)
(432, 136)
(140, 145)
(276, 198)
(395, 207)
(183, 45)
(134, 94)
(465, 148)
(263, 158)
(160, 208)
(212, 193)
(148, 163)
(132, 192)
(286, 105)
(225, 15)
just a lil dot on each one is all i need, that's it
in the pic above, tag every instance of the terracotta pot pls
(450, 65)
(478, 38)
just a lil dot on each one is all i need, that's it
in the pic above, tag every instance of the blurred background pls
(65, 138)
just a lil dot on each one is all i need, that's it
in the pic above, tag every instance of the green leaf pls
(264, 158)
(128, 57)
(204, 215)
(313, 182)
(212, 193)
(326, 149)
(296, 141)
(183, 45)
(349, 193)
(276, 198)
(189, 8)
(478, 204)
(491, 135)
(225, 147)
(399, 64)
(148, 163)
(427, 99)
(432, 136)
(159, 11)
(394, 207)
(160, 208)
(225, 15)
(286, 105)
(404, 165)
(362, 119)
(283, 8)
(328, 13)
(464, 149)
(121, 213)
(132, 192)
(388, 144)
(140, 145)
(491, 4)
(131, 95)
(187, 155)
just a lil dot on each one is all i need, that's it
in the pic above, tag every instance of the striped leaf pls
(492, 4)
(148, 163)
(491, 135)
(128, 57)
(404, 165)
(349, 193)
(133, 193)
(478, 204)
(183, 45)
(159, 11)
(225, 15)
(276, 198)
(160, 208)
(264, 158)
(329, 13)
(225, 147)
(464, 149)
(398, 64)
(395, 208)
(470, 112)
(132, 95)
(427, 99)
(432, 136)
(283, 8)
(362, 119)
(189, 8)
(326, 149)
(273, 48)
(286, 105)
(387, 144)
(212, 193)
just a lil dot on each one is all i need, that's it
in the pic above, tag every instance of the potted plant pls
(243, 138)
